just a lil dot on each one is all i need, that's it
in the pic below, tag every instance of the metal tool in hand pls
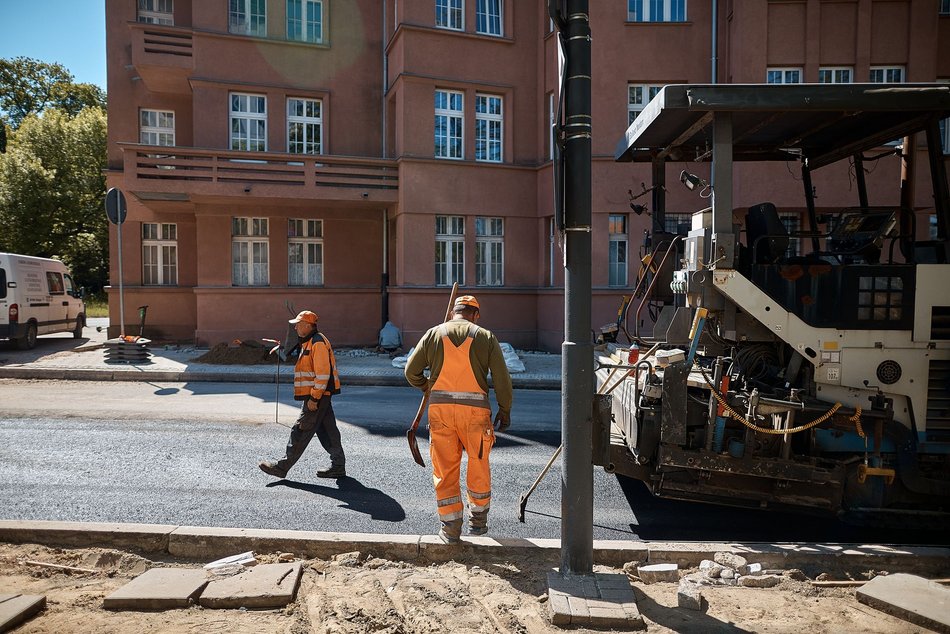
(411, 432)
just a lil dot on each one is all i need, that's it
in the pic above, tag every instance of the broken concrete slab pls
(711, 568)
(159, 589)
(689, 596)
(16, 609)
(759, 581)
(655, 573)
(730, 560)
(909, 597)
(263, 586)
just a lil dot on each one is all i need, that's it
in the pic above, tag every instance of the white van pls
(37, 297)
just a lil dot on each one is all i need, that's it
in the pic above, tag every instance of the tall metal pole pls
(577, 360)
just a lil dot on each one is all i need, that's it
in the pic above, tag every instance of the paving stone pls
(759, 581)
(263, 586)
(16, 609)
(689, 596)
(655, 573)
(750, 569)
(909, 597)
(612, 603)
(159, 589)
(729, 560)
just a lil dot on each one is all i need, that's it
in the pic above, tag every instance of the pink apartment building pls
(357, 157)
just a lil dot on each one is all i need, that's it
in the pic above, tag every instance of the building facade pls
(357, 157)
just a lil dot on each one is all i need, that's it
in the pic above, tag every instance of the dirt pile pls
(243, 353)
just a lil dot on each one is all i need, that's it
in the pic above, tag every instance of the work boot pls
(478, 523)
(270, 468)
(335, 471)
(451, 531)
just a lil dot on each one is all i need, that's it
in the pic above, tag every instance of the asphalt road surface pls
(187, 454)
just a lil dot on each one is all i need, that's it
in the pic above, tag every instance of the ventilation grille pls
(940, 322)
(938, 395)
(889, 372)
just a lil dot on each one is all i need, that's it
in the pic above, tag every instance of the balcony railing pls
(219, 171)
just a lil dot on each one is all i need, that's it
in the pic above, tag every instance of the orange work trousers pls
(453, 428)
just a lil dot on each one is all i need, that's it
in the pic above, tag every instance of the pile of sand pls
(243, 353)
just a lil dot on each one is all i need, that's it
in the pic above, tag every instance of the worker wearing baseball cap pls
(459, 355)
(315, 381)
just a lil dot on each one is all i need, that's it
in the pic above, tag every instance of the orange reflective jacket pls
(315, 373)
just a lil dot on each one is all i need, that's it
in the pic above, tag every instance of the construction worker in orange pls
(460, 355)
(315, 382)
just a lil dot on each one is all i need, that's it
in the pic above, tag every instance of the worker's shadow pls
(354, 496)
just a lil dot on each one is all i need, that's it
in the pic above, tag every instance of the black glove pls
(502, 421)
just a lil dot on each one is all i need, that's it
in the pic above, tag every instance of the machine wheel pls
(77, 331)
(28, 342)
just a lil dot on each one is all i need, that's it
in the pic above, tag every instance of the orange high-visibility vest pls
(315, 372)
(456, 383)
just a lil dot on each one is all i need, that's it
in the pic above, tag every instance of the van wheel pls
(29, 341)
(77, 331)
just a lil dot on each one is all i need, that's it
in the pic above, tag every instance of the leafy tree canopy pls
(29, 86)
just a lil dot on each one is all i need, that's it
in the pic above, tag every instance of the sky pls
(70, 32)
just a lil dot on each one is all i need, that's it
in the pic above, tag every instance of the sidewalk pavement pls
(61, 357)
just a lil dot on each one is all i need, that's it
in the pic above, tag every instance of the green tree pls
(52, 186)
(29, 86)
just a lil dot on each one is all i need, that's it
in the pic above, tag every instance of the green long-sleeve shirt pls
(485, 355)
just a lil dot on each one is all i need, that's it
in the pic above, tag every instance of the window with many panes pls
(304, 252)
(249, 252)
(488, 18)
(248, 17)
(489, 251)
(835, 75)
(448, 124)
(617, 251)
(638, 96)
(448, 14)
(783, 76)
(656, 10)
(793, 225)
(159, 254)
(248, 122)
(156, 11)
(886, 74)
(488, 128)
(449, 250)
(305, 20)
(304, 126)
(156, 127)
(677, 223)
(880, 298)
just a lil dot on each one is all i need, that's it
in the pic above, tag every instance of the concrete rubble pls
(657, 573)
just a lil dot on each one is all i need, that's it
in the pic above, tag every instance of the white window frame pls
(784, 75)
(680, 217)
(490, 17)
(832, 75)
(242, 20)
(489, 251)
(250, 251)
(618, 245)
(156, 12)
(157, 127)
(450, 14)
(251, 119)
(793, 224)
(307, 236)
(307, 10)
(161, 241)
(656, 11)
(638, 96)
(449, 250)
(453, 118)
(880, 74)
(309, 123)
(489, 128)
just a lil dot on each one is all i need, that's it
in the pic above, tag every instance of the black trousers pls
(321, 422)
